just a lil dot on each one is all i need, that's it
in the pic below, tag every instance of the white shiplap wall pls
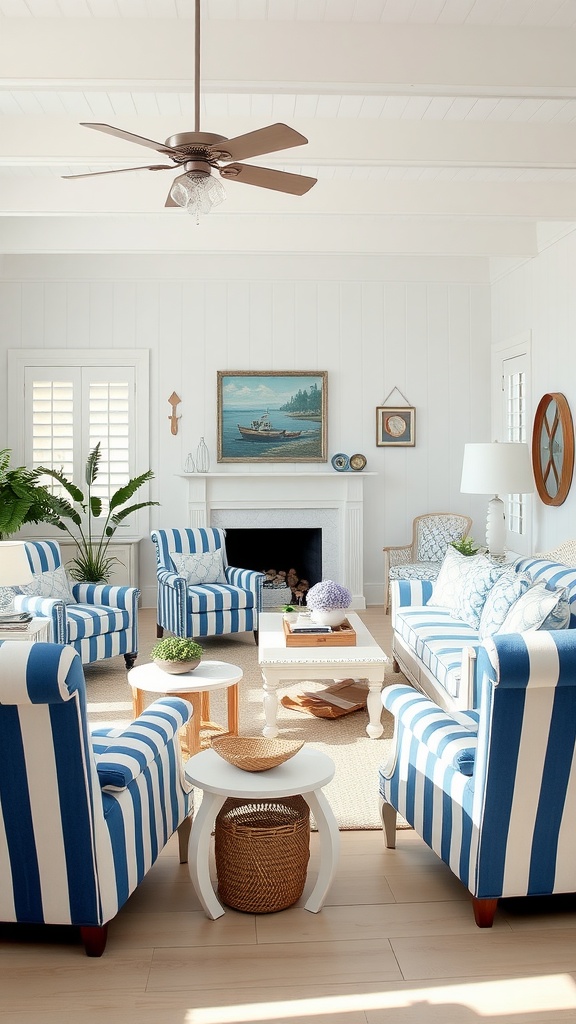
(539, 296)
(419, 324)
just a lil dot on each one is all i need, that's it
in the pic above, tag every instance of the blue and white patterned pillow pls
(463, 584)
(53, 583)
(538, 608)
(507, 589)
(201, 569)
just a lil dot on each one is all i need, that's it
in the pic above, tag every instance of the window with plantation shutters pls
(511, 376)
(75, 399)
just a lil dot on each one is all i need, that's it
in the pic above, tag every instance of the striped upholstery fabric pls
(72, 849)
(509, 828)
(210, 609)
(103, 621)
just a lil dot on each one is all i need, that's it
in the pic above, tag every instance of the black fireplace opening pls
(293, 552)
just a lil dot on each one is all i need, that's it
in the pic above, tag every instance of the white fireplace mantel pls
(332, 501)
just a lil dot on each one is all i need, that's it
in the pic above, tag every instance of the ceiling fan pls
(199, 154)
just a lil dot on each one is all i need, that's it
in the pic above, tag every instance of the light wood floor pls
(395, 943)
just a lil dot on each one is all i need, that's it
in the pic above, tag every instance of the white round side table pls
(305, 773)
(194, 686)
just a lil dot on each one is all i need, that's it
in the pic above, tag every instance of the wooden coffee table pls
(280, 664)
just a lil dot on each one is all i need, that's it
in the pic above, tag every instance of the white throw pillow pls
(463, 584)
(538, 608)
(201, 569)
(52, 583)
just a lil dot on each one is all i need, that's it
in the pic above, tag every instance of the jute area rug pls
(353, 793)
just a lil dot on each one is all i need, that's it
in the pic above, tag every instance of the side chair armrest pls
(446, 735)
(247, 579)
(45, 608)
(121, 758)
(398, 555)
(104, 593)
(169, 578)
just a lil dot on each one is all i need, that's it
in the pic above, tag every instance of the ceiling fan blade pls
(160, 147)
(121, 170)
(265, 140)
(265, 177)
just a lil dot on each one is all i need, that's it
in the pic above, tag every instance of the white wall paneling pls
(372, 322)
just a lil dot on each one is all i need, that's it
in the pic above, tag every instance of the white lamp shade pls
(499, 467)
(14, 565)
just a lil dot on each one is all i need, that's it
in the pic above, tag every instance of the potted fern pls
(22, 498)
(176, 654)
(93, 563)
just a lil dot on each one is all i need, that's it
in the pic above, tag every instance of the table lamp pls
(14, 568)
(498, 467)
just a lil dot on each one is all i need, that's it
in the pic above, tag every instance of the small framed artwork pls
(395, 426)
(272, 416)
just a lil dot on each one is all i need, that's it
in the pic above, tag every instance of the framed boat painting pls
(272, 416)
(395, 426)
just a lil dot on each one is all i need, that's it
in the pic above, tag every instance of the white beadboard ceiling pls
(456, 118)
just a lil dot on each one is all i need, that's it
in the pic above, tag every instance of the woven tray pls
(341, 636)
(255, 753)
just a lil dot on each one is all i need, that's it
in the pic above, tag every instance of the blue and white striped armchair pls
(83, 817)
(491, 791)
(98, 620)
(199, 594)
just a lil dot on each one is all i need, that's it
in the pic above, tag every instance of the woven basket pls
(255, 753)
(262, 851)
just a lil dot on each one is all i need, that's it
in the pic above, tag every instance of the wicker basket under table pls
(262, 850)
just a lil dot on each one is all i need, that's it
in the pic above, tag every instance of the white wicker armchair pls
(422, 558)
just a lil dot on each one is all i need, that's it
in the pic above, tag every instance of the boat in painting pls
(261, 429)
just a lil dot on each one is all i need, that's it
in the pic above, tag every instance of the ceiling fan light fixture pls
(197, 192)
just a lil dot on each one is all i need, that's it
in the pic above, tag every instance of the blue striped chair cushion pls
(119, 763)
(94, 620)
(438, 639)
(219, 598)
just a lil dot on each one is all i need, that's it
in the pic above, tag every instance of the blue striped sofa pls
(207, 609)
(438, 652)
(492, 790)
(83, 815)
(100, 622)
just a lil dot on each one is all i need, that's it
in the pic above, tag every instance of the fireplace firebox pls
(280, 549)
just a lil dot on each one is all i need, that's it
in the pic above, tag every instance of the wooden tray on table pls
(340, 636)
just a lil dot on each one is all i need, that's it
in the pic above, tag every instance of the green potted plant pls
(466, 546)
(22, 498)
(176, 654)
(93, 564)
(290, 612)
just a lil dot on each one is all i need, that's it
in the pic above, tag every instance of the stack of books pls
(15, 621)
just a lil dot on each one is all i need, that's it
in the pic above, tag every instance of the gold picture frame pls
(395, 426)
(272, 416)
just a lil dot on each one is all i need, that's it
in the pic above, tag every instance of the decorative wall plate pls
(357, 461)
(553, 448)
(340, 462)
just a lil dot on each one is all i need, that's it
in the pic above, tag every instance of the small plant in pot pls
(466, 546)
(328, 602)
(177, 654)
(290, 612)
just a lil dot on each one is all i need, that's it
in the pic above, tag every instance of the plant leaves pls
(124, 493)
(95, 505)
(74, 492)
(92, 465)
(119, 516)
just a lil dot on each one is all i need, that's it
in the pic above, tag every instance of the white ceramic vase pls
(329, 616)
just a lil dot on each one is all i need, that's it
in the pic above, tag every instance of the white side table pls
(38, 629)
(305, 773)
(193, 686)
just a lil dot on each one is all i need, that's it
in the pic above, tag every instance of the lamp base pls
(496, 528)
